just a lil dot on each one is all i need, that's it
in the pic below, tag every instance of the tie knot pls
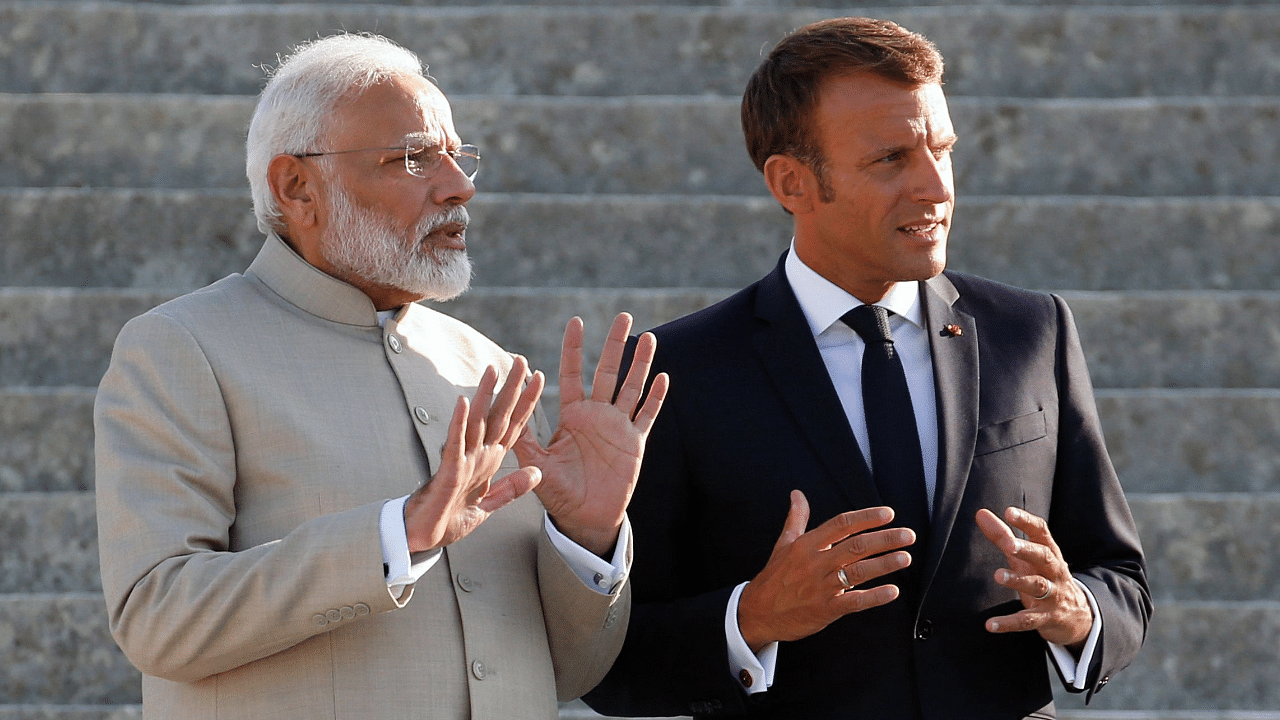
(871, 322)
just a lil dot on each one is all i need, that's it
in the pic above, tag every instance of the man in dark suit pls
(948, 512)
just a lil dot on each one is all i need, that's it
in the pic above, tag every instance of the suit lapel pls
(955, 376)
(783, 342)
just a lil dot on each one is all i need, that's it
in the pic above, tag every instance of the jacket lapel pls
(955, 376)
(785, 345)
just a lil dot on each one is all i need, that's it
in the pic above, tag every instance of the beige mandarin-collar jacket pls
(247, 436)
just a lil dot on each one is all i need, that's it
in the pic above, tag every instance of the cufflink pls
(745, 678)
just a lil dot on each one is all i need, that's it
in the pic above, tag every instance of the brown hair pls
(782, 93)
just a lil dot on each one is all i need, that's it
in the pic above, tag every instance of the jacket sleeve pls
(181, 603)
(1090, 518)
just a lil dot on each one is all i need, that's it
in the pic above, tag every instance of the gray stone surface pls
(1180, 340)
(1210, 547)
(1200, 546)
(1225, 146)
(188, 238)
(1202, 440)
(55, 648)
(734, 4)
(61, 654)
(1209, 656)
(70, 712)
(46, 439)
(1161, 441)
(995, 51)
(63, 336)
(50, 542)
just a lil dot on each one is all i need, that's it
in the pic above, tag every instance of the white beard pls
(360, 243)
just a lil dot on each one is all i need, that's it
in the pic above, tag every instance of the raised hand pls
(462, 493)
(590, 467)
(812, 578)
(1053, 604)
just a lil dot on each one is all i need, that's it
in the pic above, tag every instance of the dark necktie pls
(896, 462)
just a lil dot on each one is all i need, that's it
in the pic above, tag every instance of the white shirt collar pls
(823, 302)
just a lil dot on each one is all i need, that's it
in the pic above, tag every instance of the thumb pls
(511, 486)
(796, 522)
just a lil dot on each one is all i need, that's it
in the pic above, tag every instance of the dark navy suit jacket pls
(752, 414)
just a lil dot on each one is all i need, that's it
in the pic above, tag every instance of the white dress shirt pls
(823, 304)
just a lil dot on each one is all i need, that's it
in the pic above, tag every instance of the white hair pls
(296, 106)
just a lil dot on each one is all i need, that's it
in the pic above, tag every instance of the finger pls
(606, 377)
(1035, 527)
(499, 415)
(528, 450)
(453, 451)
(652, 403)
(871, 543)
(571, 363)
(641, 362)
(1000, 534)
(852, 601)
(1034, 587)
(524, 408)
(864, 571)
(797, 520)
(480, 406)
(1022, 621)
(851, 523)
(507, 488)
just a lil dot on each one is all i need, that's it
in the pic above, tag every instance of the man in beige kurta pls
(310, 495)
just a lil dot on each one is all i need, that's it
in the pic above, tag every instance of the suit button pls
(394, 343)
(319, 620)
(464, 582)
(478, 669)
(348, 612)
(924, 630)
(333, 616)
(362, 609)
(422, 415)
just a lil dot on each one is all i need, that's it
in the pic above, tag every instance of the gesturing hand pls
(590, 467)
(1053, 604)
(462, 494)
(800, 590)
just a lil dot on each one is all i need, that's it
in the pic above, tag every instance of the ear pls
(294, 185)
(792, 183)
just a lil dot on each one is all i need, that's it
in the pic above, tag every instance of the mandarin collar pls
(303, 285)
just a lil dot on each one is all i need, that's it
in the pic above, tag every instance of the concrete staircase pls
(1125, 155)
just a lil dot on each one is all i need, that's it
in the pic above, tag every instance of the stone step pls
(1161, 441)
(1040, 51)
(1200, 546)
(736, 4)
(157, 238)
(1199, 656)
(1226, 146)
(1140, 339)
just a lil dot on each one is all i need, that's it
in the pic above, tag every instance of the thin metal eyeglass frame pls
(463, 151)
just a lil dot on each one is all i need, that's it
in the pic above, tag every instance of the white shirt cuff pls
(753, 672)
(1067, 664)
(595, 572)
(402, 570)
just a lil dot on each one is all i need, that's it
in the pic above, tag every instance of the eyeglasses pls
(421, 161)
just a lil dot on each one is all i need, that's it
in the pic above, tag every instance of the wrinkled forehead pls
(398, 110)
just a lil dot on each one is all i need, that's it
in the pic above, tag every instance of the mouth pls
(448, 230)
(925, 230)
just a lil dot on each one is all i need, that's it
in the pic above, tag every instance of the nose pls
(935, 183)
(450, 186)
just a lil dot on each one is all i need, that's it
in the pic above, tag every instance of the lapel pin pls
(951, 331)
